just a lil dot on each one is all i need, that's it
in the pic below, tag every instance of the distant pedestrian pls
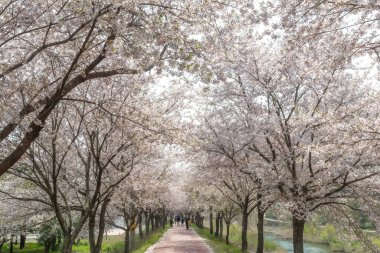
(187, 223)
(182, 221)
(171, 222)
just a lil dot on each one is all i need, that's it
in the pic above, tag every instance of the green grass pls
(29, 248)
(113, 244)
(150, 241)
(235, 239)
(270, 246)
(327, 236)
(218, 245)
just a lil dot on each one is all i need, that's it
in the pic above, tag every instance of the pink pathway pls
(180, 240)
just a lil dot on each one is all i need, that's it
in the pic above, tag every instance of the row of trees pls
(84, 117)
(291, 122)
(93, 166)
(49, 49)
(288, 92)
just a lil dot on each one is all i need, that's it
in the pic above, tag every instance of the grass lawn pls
(220, 246)
(29, 248)
(113, 244)
(153, 238)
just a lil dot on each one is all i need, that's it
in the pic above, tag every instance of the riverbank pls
(219, 245)
(324, 239)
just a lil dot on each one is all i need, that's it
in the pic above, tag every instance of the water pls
(308, 247)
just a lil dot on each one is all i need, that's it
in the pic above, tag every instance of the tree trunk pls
(132, 239)
(1, 245)
(221, 227)
(11, 245)
(244, 228)
(163, 217)
(211, 222)
(157, 222)
(101, 226)
(260, 231)
(91, 233)
(126, 242)
(197, 220)
(22, 241)
(67, 246)
(217, 225)
(141, 235)
(146, 223)
(47, 245)
(298, 227)
(152, 222)
(97, 241)
(53, 243)
(228, 233)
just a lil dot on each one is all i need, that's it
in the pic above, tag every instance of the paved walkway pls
(180, 240)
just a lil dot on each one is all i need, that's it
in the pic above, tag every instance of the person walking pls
(182, 221)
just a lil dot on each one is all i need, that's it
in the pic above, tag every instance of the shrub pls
(329, 234)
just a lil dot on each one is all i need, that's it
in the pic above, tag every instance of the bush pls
(311, 230)
(270, 245)
(329, 234)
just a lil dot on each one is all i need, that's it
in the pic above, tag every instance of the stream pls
(288, 245)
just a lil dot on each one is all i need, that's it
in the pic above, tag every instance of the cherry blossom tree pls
(298, 118)
(79, 163)
(202, 196)
(295, 99)
(277, 101)
(221, 170)
(345, 25)
(50, 48)
(143, 191)
(19, 218)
